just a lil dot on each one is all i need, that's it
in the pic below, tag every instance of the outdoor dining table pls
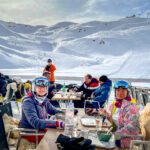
(49, 140)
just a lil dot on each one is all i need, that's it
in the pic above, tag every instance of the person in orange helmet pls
(50, 68)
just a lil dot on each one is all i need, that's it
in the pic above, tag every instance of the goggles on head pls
(121, 84)
(41, 81)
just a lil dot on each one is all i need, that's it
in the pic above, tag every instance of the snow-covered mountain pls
(118, 48)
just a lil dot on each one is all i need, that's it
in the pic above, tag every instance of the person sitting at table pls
(51, 89)
(36, 108)
(123, 114)
(90, 85)
(102, 93)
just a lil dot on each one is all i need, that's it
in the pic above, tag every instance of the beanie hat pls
(49, 60)
(103, 78)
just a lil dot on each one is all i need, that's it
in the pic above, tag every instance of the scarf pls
(40, 99)
(118, 102)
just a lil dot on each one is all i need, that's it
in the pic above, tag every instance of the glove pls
(63, 140)
(67, 143)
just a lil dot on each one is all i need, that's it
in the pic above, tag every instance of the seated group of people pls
(95, 89)
(123, 113)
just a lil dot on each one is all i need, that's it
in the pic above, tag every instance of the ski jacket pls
(128, 117)
(34, 114)
(102, 93)
(88, 89)
(50, 69)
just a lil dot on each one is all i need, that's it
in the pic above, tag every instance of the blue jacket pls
(89, 88)
(102, 93)
(34, 114)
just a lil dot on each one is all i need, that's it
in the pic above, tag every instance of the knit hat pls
(49, 60)
(103, 78)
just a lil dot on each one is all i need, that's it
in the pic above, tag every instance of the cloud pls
(49, 12)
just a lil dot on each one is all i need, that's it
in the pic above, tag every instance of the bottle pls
(64, 88)
(69, 120)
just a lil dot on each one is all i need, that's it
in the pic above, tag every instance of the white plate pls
(88, 121)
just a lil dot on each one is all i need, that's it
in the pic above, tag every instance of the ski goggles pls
(41, 81)
(121, 84)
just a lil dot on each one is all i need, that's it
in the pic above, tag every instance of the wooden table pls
(49, 139)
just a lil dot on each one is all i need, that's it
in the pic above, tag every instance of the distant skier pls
(50, 68)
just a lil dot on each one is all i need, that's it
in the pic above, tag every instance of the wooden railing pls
(142, 94)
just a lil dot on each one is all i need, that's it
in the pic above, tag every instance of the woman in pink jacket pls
(124, 114)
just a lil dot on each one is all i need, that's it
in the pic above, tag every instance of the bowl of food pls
(103, 136)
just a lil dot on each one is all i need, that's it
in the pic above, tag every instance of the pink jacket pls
(127, 120)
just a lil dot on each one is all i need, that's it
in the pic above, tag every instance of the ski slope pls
(118, 48)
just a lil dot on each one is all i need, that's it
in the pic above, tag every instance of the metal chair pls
(90, 101)
(139, 142)
(119, 136)
(24, 132)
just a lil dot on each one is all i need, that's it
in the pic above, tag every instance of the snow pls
(117, 49)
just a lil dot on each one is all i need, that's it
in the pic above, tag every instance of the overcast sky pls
(49, 12)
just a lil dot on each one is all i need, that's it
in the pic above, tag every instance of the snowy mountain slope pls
(118, 48)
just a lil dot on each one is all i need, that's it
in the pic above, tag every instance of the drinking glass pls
(84, 133)
(98, 123)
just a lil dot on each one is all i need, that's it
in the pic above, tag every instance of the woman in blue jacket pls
(36, 107)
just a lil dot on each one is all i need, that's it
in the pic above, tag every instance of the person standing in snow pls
(88, 87)
(102, 93)
(50, 68)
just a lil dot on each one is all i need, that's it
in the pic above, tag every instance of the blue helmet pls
(123, 84)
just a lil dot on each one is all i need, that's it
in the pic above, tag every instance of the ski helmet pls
(40, 81)
(122, 84)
